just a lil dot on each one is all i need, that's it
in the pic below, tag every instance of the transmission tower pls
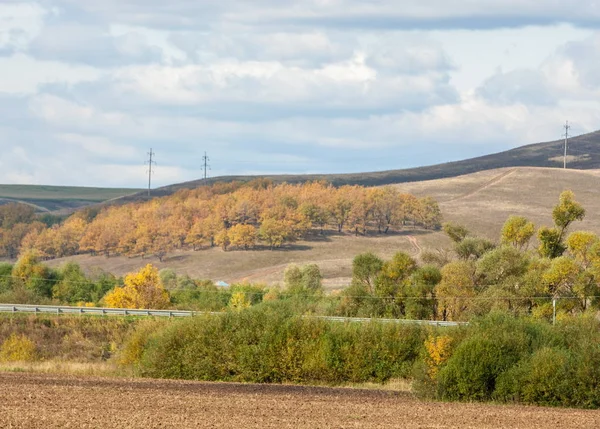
(150, 163)
(205, 165)
(567, 128)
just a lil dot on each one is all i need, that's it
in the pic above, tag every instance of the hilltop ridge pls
(584, 153)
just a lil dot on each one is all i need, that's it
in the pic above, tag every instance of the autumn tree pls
(429, 213)
(387, 208)
(242, 236)
(456, 290)
(517, 231)
(15, 213)
(222, 239)
(584, 246)
(143, 289)
(316, 214)
(33, 275)
(340, 206)
(564, 214)
(361, 212)
(455, 232)
(274, 232)
(392, 283)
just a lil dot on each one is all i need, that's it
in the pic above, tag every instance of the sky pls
(87, 87)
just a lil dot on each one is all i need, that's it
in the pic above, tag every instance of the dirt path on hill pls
(415, 244)
(495, 180)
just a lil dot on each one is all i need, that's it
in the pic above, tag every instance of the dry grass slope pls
(483, 201)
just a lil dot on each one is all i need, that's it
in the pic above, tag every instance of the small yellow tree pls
(239, 301)
(17, 348)
(143, 289)
(438, 349)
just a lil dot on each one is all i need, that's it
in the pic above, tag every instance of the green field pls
(57, 198)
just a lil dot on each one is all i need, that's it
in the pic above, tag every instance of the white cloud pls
(22, 74)
(19, 24)
(97, 146)
(93, 45)
(321, 85)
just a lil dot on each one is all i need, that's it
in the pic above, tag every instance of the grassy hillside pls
(481, 201)
(484, 200)
(52, 198)
(584, 154)
(333, 254)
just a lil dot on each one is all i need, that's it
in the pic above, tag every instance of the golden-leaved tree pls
(143, 289)
(233, 214)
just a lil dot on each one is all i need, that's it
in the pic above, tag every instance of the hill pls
(584, 154)
(57, 198)
(482, 201)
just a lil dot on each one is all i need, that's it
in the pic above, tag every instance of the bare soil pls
(52, 401)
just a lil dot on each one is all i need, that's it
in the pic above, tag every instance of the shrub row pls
(271, 344)
(498, 357)
(508, 359)
(67, 338)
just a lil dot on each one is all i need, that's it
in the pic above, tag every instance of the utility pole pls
(567, 127)
(150, 163)
(205, 166)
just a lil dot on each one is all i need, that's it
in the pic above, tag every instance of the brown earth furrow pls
(52, 401)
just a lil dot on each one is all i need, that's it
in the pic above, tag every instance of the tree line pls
(478, 276)
(231, 216)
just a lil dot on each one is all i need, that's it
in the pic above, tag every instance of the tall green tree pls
(564, 214)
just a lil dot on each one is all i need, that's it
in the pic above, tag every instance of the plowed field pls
(52, 401)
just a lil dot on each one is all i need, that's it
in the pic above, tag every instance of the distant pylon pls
(205, 166)
(150, 163)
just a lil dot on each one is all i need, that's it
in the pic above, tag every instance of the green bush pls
(543, 378)
(271, 343)
(522, 360)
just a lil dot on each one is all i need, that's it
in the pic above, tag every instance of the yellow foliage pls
(17, 348)
(222, 239)
(242, 236)
(580, 244)
(517, 231)
(85, 304)
(239, 301)
(271, 295)
(143, 289)
(438, 352)
(455, 289)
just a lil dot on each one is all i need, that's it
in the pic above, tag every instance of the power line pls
(567, 127)
(205, 166)
(150, 163)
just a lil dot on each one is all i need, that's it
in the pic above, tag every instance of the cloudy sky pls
(87, 87)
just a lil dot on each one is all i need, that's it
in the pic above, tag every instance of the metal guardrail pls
(52, 309)
(401, 321)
